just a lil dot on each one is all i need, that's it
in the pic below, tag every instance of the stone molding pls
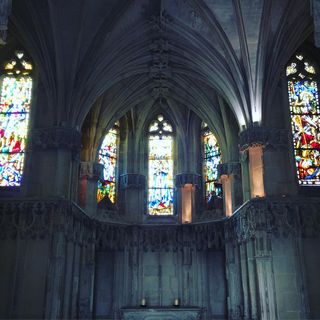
(91, 170)
(132, 180)
(183, 178)
(55, 138)
(229, 168)
(263, 136)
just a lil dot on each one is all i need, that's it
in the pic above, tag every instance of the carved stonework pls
(132, 180)
(257, 219)
(91, 170)
(280, 217)
(5, 10)
(262, 136)
(55, 138)
(229, 168)
(185, 178)
(160, 70)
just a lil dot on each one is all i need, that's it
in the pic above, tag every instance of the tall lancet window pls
(160, 168)
(16, 87)
(211, 159)
(305, 121)
(108, 156)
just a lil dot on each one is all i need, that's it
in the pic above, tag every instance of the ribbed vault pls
(187, 51)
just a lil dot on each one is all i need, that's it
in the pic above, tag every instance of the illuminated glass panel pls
(212, 157)
(16, 86)
(160, 168)
(108, 158)
(304, 110)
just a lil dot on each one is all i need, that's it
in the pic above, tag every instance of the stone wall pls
(56, 262)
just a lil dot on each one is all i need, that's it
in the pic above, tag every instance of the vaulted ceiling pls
(195, 53)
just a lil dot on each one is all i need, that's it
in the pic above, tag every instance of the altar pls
(162, 313)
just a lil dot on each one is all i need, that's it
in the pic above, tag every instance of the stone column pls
(132, 196)
(52, 163)
(315, 11)
(230, 175)
(90, 173)
(5, 10)
(186, 183)
(263, 148)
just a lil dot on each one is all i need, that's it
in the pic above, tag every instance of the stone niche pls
(161, 313)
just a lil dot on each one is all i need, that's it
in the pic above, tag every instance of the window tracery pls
(305, 121)
(16, 87)
(160, 168)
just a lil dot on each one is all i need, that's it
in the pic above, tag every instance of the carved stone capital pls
(55, 138)
(191, 178)
(91, 170)
(132, 180)
(263, 136)
(229, 168)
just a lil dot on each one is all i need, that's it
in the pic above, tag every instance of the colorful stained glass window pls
(160, 168)
(108, 158)
(305, 121)
(16, 87)
(211, 159)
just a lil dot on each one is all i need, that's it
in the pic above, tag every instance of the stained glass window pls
(305, 121)
(108, 158)
(211, 159)
(160, 168)
(16, 86)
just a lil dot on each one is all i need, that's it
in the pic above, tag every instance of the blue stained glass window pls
(15, 100)
(160, 168)
(211, 159)
(305, 122)
(108, 158)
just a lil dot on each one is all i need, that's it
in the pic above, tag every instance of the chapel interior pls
(159, 159)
